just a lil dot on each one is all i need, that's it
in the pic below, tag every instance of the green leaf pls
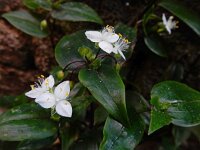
(78, 90)
(108, 89)
(11, 101)
(100, 115)
(155, 44)
(34, 4)
(31, 4)
(29, 129)
(118, 137)
(69, 135)
(178, 103)
(25, 22)
(79, 105)
(158, 120)
(36, 144)
(24, 111)
(88, 140)
(66, 51)
(181, 11)
(76, 11)
(180, 135)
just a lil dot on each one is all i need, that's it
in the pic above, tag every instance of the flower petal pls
(120, 52)
(110, 37)
(46, 100)
(105, 46)
(48, 82)
(164, 19)
(35, 92)
(62, 90)
(64, 108)
(94, 36)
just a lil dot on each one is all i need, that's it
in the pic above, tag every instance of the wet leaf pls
(76, 11)
(175, 103)
(155, 44)
(29, 129)
(108, 89)
(25, 22)
(118, 137)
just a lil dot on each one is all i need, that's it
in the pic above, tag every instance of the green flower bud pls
(43, 24)
(60, 74)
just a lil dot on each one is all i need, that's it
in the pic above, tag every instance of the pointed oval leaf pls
(155, 44)
(24, 111)
(118, 137)
(29, 129)
(36, 144)
(34, 4)
(25, 22)
(181, 11)
(108, 89)
(177, 102)
(76, 11)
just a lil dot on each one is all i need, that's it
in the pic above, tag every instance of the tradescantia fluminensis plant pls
(94, 111)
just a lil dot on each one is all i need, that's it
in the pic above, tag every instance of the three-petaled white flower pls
(104, 38)
(169, 24)
(47, 97)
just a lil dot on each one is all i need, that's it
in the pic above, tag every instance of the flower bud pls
(60, 74)
(43, 24)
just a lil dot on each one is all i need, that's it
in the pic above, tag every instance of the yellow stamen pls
(32, 87)
(42, 76)
(47, 82)
(120, 35)
(67, 93)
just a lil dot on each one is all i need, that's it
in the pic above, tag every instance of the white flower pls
(46, 97)
(169, 24)
(57, 100)
(104, 38)
(41, 87)
(121, 45)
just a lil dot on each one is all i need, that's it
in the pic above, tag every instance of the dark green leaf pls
(11, 101)
(77, 90)
(108, 89)
(181, 11)
(25, 22)
(118, 137)
(29, 129)
(66, 51)
(33, 4)
(36, 144)
(100, 115)
(75, 11)
(25, 111)
(155, 44)
(88, 140)
(79, 105)
(158, 120)
(180, 135)
(177, 102)
(69, 135)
